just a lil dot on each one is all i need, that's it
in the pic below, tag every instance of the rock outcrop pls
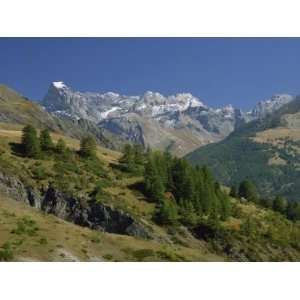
(81, 211)
(92, 214)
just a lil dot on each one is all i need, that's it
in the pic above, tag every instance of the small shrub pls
(108, 256)
(39, 173)
(95, 239)
(43, 241)
(93, 165)
(141, 254)
(6, 253)
(169, 256)
(25, 225)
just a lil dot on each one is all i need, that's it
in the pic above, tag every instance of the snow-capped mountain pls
(179, 123)
(95, 106)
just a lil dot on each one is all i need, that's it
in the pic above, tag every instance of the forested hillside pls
(265, 151)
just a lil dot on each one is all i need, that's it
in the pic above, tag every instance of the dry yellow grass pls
(273, 136)
(66, 241)
(14, 133)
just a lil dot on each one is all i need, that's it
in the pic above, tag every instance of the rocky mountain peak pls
(268, 106)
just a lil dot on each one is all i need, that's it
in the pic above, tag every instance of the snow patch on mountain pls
(106, 113)
(59, 84)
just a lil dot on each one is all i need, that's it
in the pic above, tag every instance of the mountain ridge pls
(177, 123)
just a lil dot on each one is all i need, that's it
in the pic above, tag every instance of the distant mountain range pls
(178, 123)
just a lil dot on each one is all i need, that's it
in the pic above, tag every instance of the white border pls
(148, 281)
(149, 18)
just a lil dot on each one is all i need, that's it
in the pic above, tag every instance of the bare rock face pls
(81, 211)
(269, 106)
(13, 187)
(92, 214)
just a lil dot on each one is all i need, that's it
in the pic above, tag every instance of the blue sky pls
(220, 71)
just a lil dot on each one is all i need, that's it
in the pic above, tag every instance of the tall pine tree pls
(154, 186)
(88, 147)
(30, 142)
(248, 190)
(46, 142)
(61, 146)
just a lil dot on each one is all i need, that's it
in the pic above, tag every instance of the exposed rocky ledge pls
(81, 211)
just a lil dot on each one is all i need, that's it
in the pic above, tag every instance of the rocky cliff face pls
(269, 106)
(92, 214)
(81, 211)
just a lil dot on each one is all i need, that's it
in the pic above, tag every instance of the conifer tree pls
(127, 153)
(153, 183)
(248, 190)
(168, 169)
(88, 147)
(61, 146)
(225, 207)
(167, 213)
(128, 158)
(182, 180)
(138, 152)
(293, 210)
(207, 192)
(280, 204)
(46, 142)
(233, 192)
(30, 142)
(187, 212)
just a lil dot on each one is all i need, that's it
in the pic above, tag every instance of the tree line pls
(182, 193)
(186, 193)
(34, 146)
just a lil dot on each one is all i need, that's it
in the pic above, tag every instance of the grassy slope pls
(66, 241)
(15, 108)
(57, 240)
